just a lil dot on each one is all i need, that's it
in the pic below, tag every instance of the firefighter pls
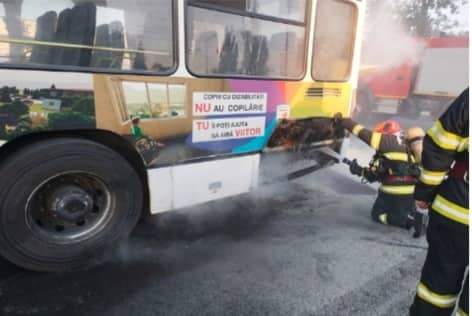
(444, 188)
(395, 166)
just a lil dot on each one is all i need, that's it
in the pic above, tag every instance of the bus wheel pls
(65, 203)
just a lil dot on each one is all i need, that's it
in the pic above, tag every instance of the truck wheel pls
(439, 108)
(364, 103)
(65, 203)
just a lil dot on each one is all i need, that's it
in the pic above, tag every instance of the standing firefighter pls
(395, 166)
(444, 187)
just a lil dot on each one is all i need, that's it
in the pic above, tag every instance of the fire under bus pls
(429, 85)
(110, 110)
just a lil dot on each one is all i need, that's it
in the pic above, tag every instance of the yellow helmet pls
(414, 137)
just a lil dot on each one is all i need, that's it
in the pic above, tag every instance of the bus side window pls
(109, 35)
(78, 27)
(205, 58)
(283, 46)
(128, 36)
(251, 38)
(45, 32)
(289, 9)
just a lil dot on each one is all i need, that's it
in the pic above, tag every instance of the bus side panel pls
(170, 120)
(186, 185)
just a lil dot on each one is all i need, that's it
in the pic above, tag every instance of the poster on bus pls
(227, 103)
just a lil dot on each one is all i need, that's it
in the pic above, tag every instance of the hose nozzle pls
(347, 161)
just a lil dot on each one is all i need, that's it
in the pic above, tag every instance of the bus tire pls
(65, 203)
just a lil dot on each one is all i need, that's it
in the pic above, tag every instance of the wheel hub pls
(70, 203)
(68, 207)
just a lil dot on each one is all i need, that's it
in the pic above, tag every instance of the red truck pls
(439, 76)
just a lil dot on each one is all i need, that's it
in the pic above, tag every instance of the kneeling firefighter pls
(396, 166)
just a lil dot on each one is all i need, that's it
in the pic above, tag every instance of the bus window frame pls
(95, 70)
(353, 45)
(212, 7)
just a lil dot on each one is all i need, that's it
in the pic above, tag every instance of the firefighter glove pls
(337, 119)
(355, 169)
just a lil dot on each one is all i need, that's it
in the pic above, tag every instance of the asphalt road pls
(306, 247)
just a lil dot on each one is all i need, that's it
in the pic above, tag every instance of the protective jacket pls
(444, 184)
(445, 162)
(393, 166)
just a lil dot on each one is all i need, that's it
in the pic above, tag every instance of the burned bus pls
(111, 109)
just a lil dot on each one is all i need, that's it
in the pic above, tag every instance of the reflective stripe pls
(441, 301)
(443, 138)
(451, 210)
(356, 130)
(398, 189)
(432, 177)
(375, 140)
(383, 219)
(464, 145)
(398, 156)
(460, 312)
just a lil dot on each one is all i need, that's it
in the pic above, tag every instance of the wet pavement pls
(307, 247)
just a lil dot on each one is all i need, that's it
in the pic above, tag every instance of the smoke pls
(387, 42)
(234, 218)
(169, 235)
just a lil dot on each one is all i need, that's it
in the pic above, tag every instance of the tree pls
(68, 102)
(5, 95)
(15, 108)
(36, 94)
(13, 90)
(70, 120)
(24, 124)
(85, 106)
(425, 18)
(3, 132)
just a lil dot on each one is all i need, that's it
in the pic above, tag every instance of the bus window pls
(233, 39)
(286, 9)
(153, 100)
(112, 36)
(334, 40)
